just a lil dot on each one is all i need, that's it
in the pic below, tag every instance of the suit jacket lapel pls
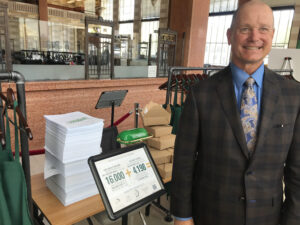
(227, 97)
(270, 97)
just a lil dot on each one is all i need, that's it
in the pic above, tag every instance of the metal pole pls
(149, 49)
(20, 86)
(136, 109)
(170, 72)
(112, 113)
(3, 76)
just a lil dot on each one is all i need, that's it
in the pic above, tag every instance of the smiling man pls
(250, 35)
(239, 137)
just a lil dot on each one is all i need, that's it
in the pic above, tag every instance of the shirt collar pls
(239, 76)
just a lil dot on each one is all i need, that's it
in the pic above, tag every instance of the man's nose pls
(254, 34)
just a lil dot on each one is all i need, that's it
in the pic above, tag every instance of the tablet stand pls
(133, 162)
(111, 99)
(125, 219)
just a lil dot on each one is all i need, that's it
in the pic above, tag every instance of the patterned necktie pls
(249, 114)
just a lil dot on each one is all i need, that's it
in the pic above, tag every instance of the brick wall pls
(48, 98)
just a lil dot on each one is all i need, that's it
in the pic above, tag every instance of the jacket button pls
(242, 198)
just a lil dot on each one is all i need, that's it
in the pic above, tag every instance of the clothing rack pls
(174, 71)
(19, 79)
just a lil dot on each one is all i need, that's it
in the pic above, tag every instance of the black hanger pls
(10, 105)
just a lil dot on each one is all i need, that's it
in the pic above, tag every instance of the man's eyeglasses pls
(261, 30)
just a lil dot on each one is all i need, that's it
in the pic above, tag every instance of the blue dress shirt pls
(239, 77)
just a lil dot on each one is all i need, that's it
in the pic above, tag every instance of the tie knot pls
(249, 82)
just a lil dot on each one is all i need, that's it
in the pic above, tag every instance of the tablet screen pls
(126, 178)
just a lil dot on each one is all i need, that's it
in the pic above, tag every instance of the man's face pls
(251, 36)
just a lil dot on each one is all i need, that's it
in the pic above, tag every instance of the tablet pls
(127, 178)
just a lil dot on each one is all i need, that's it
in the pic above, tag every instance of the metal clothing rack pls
(176, 71)
(287, 73)
(19, 79)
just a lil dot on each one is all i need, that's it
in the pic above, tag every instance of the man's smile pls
(253, 47)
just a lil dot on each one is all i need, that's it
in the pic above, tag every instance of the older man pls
(239, 137)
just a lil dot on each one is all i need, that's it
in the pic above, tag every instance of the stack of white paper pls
(70, 140)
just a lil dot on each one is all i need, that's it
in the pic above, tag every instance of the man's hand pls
(186, 222)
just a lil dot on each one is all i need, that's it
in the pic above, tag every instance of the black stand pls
(136, 109)
(112, 113)
(125, 219)
(168, 217)
(111, 99)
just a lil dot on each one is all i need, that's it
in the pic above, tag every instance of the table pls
(58, 214)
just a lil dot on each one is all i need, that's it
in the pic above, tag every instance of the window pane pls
(282, 23)
(217, 49)
(29, 36)
(126, 10)
(126, 28)
(64, 38)
(223, 5)
(150, 9)
(107, 9)
(147, 29)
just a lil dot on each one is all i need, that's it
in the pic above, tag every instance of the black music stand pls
(111, 99)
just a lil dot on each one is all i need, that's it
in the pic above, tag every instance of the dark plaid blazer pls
(214, 179)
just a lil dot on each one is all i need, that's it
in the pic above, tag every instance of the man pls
(238, 136)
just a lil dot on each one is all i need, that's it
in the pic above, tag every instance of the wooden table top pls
(58, 214)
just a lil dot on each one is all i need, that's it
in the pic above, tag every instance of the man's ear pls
(229, 33)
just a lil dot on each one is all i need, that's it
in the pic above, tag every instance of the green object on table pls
(14, 208)
(132, 136)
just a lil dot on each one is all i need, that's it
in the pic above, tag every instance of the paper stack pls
(69, 141)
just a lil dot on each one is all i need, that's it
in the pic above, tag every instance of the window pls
(147, 29)
(126, 28)
(64, 37)
(217, 50)
(150, 9)
(282, 23)
(126, 10)
(107, 9)
(29, 34)
(217, 6)
(150, 13)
